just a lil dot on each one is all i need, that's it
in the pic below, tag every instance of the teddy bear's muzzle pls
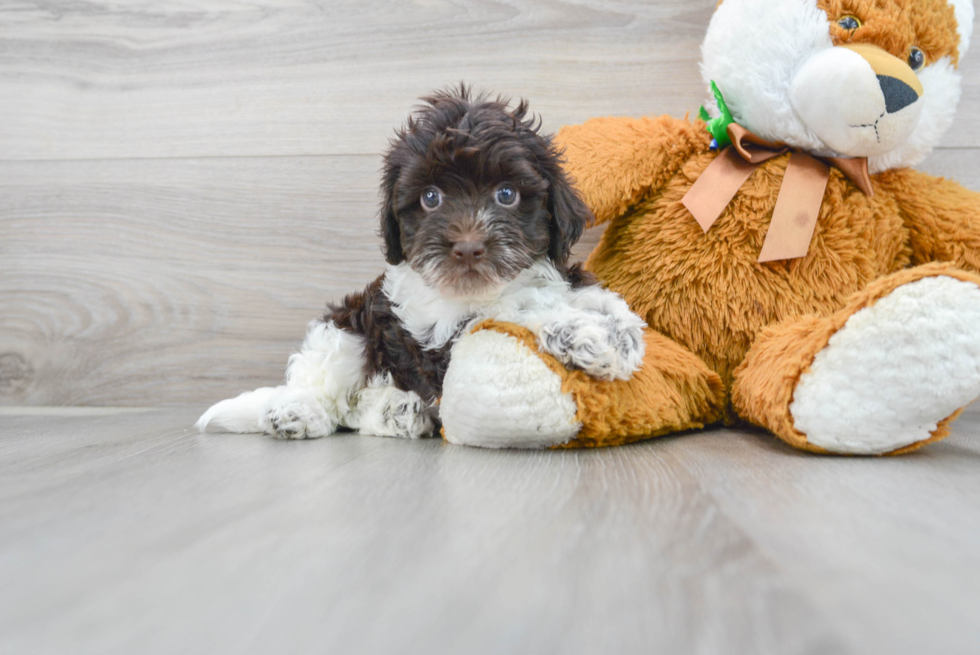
(858, 99)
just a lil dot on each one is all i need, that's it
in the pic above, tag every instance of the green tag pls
(718, 127)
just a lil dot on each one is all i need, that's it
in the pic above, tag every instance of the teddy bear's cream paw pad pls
(499, 394)
(894, 371)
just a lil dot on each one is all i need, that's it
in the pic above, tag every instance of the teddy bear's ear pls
(964, 23)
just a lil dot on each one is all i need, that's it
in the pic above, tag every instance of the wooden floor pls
(126, 532)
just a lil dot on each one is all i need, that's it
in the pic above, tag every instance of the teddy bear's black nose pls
(898, 94)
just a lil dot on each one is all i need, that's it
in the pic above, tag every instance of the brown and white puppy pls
(478, 220)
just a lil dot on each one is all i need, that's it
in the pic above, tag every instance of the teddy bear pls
(795, 272)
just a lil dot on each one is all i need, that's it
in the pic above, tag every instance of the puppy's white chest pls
(433, 319)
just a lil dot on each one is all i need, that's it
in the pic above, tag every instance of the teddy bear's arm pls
(616, 161)
(943, 218)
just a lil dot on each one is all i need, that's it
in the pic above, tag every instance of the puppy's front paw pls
(603, 346)
(296, 414)
(386, 411)
(627, 338)
(404, 416)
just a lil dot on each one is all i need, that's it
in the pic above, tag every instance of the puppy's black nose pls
(469, 252)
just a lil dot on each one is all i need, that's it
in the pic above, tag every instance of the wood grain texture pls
(130, 533)
(148, 79)
(959, 164)
(83, 80)
(146, 282)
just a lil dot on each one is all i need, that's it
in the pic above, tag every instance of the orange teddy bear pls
(802, 278)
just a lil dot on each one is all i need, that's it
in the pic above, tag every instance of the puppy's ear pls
(569, 213)
(391, 232)
(390, 229)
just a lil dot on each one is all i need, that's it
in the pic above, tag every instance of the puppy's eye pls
(917, 58)
(431, 198)
(849, 23)
(507, 196)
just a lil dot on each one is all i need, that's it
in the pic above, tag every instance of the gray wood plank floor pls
(125, 532)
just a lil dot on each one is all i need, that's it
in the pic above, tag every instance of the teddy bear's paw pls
(894, 371)
(498, 393)
(606, 347)
(383, 410)
(296, 414)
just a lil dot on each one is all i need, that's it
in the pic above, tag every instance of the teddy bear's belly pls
(708, 292)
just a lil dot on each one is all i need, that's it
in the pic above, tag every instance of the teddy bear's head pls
(852, 78)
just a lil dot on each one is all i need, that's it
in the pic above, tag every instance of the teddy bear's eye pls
(849, 23)
(917, 58)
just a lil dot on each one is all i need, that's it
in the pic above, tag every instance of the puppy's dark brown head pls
(473, 194)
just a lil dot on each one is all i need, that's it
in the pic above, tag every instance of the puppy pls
(478, 220)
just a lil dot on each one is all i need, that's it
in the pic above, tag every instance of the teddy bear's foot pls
(885, 375)
(895, 371)
(497, 393)
(501, 392)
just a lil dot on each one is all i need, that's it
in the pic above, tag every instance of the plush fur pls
(765, 328)
(478, 220)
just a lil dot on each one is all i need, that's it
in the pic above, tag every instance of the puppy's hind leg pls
(243, 413)
(284, 412)
(320, 382)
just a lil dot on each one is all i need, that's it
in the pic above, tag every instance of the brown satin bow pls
(800, 196)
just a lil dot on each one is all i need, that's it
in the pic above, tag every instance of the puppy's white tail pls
(244, 413)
